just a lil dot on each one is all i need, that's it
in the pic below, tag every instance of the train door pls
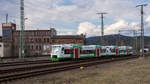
(117, 51)
(97, 52)
(76, 53)
(127, 51)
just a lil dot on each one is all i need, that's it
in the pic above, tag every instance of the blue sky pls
(77, 16)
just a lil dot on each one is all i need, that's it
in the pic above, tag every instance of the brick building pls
(37, 42)
(69, 39)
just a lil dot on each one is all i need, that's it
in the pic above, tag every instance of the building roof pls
(37, 30)
(33, 30)
(68, 37)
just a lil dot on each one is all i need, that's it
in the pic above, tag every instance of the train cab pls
(61, 52)
(56, 51)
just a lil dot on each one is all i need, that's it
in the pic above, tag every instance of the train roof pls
(64, 45)
(92, 46)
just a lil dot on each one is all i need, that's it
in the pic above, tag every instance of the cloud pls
(114, 28)
(41, 13)
(88, 28)
(92, 30)
(66, 33)
(48, 11)
(147, 21)
(69, 33)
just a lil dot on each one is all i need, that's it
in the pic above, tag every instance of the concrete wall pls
(1, 49)
(5, 49)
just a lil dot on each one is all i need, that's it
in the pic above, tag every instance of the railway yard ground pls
(131, 71)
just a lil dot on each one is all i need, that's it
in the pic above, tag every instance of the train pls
(63, 52)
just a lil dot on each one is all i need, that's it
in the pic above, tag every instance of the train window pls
(130, 50)
(103, 50)
(112, 50)
(0, 45)
(68, 51)
(122, 51)
(87, 51)
(62, 49)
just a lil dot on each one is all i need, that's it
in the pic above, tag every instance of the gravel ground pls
(133, 71)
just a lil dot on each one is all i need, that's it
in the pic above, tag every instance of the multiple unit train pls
(62, 52)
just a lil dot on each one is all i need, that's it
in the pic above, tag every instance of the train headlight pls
(54, 56)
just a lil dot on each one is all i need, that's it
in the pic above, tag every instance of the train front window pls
(56, 49)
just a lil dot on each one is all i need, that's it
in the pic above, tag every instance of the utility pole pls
(22, 29)
(102, 26)
(142, 28)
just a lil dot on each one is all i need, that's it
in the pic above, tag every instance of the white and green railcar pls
(62, 52)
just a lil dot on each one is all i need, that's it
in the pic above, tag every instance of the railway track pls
(23, 63)
(24, 72)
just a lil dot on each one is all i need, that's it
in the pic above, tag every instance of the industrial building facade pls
(37, 42)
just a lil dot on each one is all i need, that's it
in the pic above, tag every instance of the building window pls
(47, 40)
(29, 47)
(53, 40)
(48, 33)
(6, 34)
(31, 40)
(32, 33)
(29, 33)
(40, 47)
(36, 40)
(36, 33)
(53, 33)
(37, 47)
(39, 39)
(45, 33)
(32, 47)
(24, 33)
(40, 33)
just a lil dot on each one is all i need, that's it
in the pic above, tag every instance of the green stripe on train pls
(59, 59)
(71, 57)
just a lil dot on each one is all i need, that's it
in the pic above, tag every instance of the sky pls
(71, 17)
